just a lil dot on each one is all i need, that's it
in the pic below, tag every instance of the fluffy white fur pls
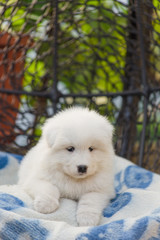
(74, 137)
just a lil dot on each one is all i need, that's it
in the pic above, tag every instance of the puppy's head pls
(80, 142)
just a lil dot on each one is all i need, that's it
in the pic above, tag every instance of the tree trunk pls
(127, 119)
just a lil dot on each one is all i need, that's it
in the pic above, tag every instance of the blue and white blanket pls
(134, 213)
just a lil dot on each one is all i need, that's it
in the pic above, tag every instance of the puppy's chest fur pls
(72, 188)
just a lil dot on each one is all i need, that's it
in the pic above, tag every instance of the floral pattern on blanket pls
(116, 231)
(133, 177)
(133, 214)
(136, 177)
(9, 202)
(119, 202)
(23, 229)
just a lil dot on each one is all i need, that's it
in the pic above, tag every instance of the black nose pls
(82, 168)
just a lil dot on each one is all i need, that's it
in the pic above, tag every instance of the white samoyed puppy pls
(73, 159)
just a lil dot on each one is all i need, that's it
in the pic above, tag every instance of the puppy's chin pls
(78, 176)
(81, 176)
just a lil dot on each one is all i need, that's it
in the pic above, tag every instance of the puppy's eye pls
(70, 149)
(90, 149)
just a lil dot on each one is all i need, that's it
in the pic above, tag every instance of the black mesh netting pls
(103, 54)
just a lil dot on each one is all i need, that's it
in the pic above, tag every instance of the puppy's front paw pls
(88, 219)
(45, 204)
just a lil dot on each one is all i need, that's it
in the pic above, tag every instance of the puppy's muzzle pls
(82, 169)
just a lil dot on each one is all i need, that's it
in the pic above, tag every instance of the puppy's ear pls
(49, 132)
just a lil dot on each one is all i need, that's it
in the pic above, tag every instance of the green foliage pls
(86, 52)
(91, 47)
(32, 76)
(93, 39)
